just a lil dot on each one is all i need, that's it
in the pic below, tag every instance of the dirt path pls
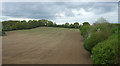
(44, 46)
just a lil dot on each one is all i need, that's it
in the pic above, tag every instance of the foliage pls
(66, 25)
(94, 34)
(106, 52)
(98, 33)
(85, 29)
(94, 39)
(54, 25)
(18, 25)
(2, 33)
(101, 41)
(50, 24)
(76, 24)
(72, 26)
(86, 24)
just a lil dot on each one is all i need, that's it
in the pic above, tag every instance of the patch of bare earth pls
(57, 46)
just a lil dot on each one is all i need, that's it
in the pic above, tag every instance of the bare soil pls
(44, 46)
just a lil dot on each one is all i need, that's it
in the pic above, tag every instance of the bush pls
(86, 23)
(93, 40)
(85, 31)
(2, 33)
(106, 51)
(7, 28)
(113, 29)
(97, 34)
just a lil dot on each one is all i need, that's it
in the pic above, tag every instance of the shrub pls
(76, 24)
(66, 25)
(86, 23)
(97, 34)
(85, 31)
(93, 40)
(2, 33)
(106, 51)
(113, 29)
(7, 27)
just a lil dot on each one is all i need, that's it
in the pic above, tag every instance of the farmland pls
(44, 45)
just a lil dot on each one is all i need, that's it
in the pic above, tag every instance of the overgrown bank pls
(101, 40)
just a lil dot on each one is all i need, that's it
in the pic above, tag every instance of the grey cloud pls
(102, 8)
(33, 9)
(47, 10)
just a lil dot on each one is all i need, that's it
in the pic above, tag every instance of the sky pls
(60, 12)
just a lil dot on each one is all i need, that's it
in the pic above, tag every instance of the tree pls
(35, 23)
(23, 21)
(72, 26)
(66, 25)
(86, 23)
(41, 23)
(30, 24)
(54, 25)
(44, 21)
(76, 24)
(50, 24)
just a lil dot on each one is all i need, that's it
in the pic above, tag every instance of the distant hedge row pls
(100, 39)
(19, 25)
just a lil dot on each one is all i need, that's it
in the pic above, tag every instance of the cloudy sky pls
(61, 12)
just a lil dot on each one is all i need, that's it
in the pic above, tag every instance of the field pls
(44, 45)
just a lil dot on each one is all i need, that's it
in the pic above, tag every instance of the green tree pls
(44, 21)
(72, 26)
(76, 24)
(66, 25)
(41, 23)
(54, 25)
(50, 24)
(86, 23)
(23, 21)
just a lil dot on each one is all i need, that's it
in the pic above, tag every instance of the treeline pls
(19, 25)
(101, 40)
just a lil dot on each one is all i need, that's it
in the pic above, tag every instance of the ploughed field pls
(44, 45)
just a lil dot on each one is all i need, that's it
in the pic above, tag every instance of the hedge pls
(94, 39)
(106, 52)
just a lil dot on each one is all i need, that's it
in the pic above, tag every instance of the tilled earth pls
(44, 45)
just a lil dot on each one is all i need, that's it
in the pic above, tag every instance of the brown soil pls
(48, 46)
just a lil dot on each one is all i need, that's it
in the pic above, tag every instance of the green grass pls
(45, 30)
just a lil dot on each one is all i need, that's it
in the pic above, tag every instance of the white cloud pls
(82, 12)
(61, 12)
(3, 18)
(84, 16)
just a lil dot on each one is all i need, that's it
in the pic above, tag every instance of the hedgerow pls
(94, 40)
(101, 40)
(85, 31)
(106, 52)
(20, 25)
(97, 34)
(2, 33)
